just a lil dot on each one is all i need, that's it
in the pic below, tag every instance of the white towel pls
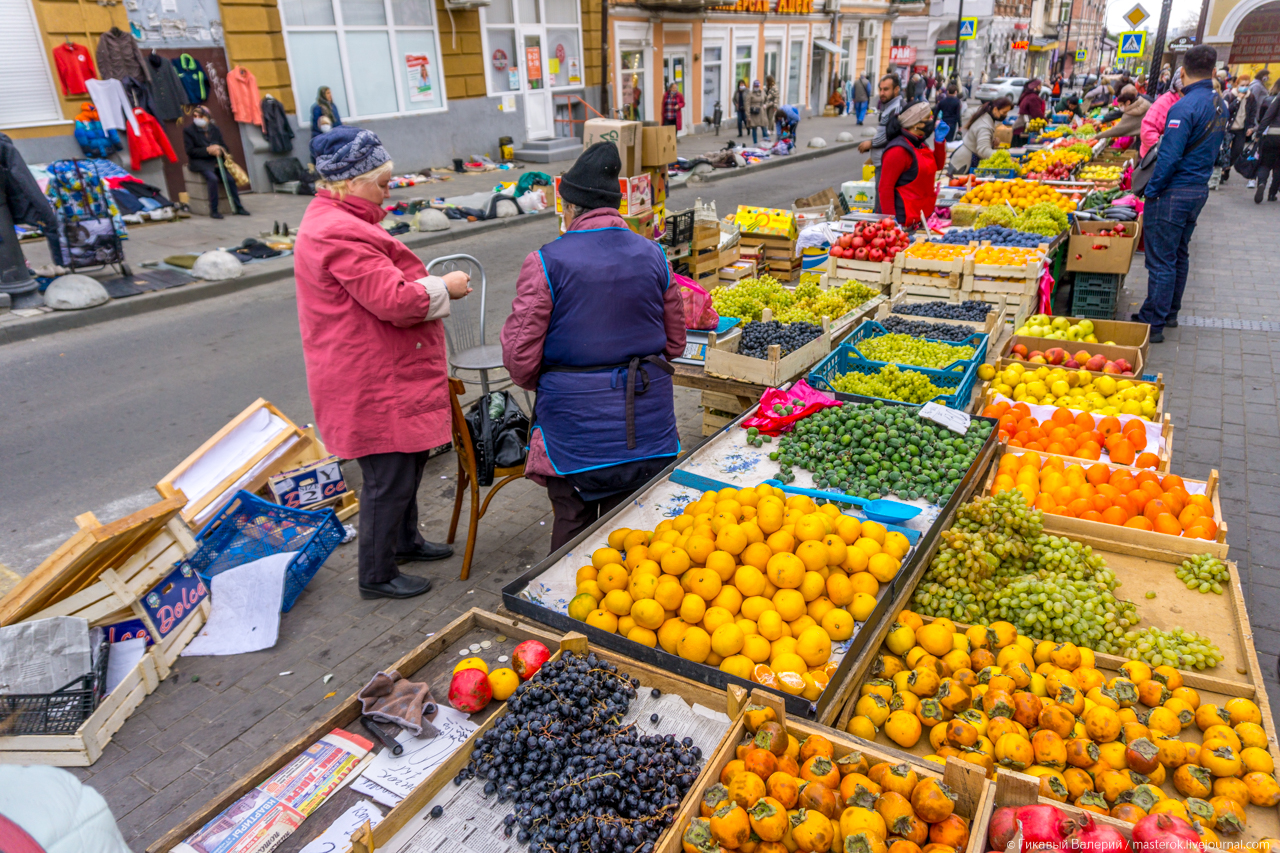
(112, 104)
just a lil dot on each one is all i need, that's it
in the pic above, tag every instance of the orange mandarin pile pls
(1077, 434)
(1119, 496)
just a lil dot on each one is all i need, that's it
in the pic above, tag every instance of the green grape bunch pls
(1205, 574)
(891, 383)
(916, 352)
(807, 303)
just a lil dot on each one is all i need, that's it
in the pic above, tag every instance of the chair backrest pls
(461, 434)
(464, 327)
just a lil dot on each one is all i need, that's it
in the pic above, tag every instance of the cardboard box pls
(767, 221)
(1114, 255)
(657, 183)
(1004, 135)
(624, 134)
(635, 192)
(641, 223)
(658, 147)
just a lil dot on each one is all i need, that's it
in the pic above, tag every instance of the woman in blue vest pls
(595, 319)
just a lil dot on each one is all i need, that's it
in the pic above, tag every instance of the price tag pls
(952, 419)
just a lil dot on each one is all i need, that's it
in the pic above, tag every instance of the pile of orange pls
(1119, 496)
(938, 251)
(1006, 256)
(1077, 434)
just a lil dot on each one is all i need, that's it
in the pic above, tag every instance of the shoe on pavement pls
(1171, 323)
(425, 553)
(1157, 337)
(401, 586)
(242, 212)
(1252, 184)
(215, 215)
(1258, 193)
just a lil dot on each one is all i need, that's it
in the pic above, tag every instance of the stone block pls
(250, 19)
(463, 65)
(245, 47)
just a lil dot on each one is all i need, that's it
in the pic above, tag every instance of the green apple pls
(1040, 320)
(1023, 330)
(1074, 333)
(1086, 326)
(1090, 338)
(1061, 323)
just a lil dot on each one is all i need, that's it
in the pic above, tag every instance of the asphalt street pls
(94, 417)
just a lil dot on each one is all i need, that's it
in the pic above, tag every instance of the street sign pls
(1136, 15)
(1082, 54)
(1132, 44)
(968, 29)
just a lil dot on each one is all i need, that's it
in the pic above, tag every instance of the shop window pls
(795, 69)
(712, 83)
(742, 64)
(29, 95)
(378, 57)
(515, 31)
(633, 99)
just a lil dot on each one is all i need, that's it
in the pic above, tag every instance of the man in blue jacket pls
(1179, 187)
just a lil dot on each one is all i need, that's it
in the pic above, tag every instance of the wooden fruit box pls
(432, 662)
(1003, 362)
(737, 271)
(868, 272)
(1065, 525)
(973, 791)
(1027, 270)
(1166, 435)
(714, 420)
(986, 327)
(380, 837)
(773, 371)
(706, 235)
(927, 284)
(1131, 354)
(844, 326)
(989, 284)
(101, 574)
(700, 265)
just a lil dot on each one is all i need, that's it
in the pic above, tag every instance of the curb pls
(61, 321)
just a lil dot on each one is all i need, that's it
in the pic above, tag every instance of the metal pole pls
(960, 42)
(1204, 16)
(1157, 47)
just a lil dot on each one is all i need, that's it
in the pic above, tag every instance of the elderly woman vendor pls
(374, 349)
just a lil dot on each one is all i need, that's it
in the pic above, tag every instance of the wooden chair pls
(467, 476)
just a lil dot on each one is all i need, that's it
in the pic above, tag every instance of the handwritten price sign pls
(766, 220)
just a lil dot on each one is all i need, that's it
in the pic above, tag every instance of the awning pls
(829, 46)
(1036, 45)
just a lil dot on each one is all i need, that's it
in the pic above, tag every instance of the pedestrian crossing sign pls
(968, 28)
(1132, 44)
(1082, 54)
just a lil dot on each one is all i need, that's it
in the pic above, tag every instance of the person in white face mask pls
(204, 145)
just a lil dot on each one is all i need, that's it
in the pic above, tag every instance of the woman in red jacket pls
(906, 190)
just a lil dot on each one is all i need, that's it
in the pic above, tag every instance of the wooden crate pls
(985, 327)
(1003, 362)
(739, 270)
(1014, 286)
(1131, 354)
(704, 263)
(777, 368)
(101, 574)
(842, 327)
(706, 235)
(973, 791)
(432, 661)
(869, 273)
(1027, 270)
(369, 839)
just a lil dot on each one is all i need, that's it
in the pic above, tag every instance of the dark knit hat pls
(347, 152)
(592, 181)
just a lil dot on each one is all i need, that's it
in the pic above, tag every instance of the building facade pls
(1246, 34)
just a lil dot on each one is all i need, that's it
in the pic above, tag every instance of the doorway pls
(712, 83)
(538, 121)
(942, 69)
(675, 69)
(772, 57)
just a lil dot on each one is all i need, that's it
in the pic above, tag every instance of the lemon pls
(580, 605)
(471, 663)
(503, 682)
(604, 620)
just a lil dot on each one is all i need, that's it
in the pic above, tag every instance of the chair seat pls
(513, 471)
(487, 357)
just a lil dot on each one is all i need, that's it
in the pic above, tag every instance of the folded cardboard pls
(624, 134)
(1087, 252)
(636, 196)
(659, 145)
(641, 223)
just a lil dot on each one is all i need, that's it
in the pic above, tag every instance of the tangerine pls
(1139, 522)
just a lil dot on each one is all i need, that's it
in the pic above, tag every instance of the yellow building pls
(436, 79)
(1246, 34)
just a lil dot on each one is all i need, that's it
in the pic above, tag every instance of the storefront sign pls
(533, 62)
(500, 59)
(1020, 45)
(419, 68)
(784, 7)
(902, 54)
(945, 46)
(575, 71)
(1257, 40)
(1182, 44)
(795, 7)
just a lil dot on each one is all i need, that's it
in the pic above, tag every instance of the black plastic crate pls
(64, 710)
(679, 228)
(1094, 295)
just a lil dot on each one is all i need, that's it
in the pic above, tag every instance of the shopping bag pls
(698, 313)
(499, 434)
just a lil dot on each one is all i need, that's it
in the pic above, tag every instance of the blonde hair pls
(341, 188)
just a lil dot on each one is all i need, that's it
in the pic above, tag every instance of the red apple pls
(1082, 356)
(1110, 367)
(528, 657)
(1071, 364)
(1097, 362)
(1020, 350)
(469, 691)
(1055, 355)
(1037, 359)
(1035, 353)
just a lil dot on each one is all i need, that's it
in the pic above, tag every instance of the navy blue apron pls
(605, 395)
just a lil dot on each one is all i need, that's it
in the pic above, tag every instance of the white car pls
(1001, 87)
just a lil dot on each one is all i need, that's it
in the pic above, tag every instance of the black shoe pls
(1157, 337)
(1258, 194)
(1171, 323)
(242, 212)
(401, 586)
(215, 215)
(1134, 318)
(1272, 198)
(425, 553)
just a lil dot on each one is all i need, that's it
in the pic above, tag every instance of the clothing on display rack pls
(75, 66)
(191, 74)
(139, 94)
(242, 86)
(114, 109)
(93, 139)
(167, 92)
(119, 56)
(149, 142)
(275, 126)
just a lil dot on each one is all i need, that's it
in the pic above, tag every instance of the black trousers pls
(388, 512)
(214, 181)
(573, 514)
(1269, 163)
(1237, 146)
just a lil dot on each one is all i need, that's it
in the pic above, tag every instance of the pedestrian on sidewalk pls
(673, 107)
(1179, 187)
(756, 115)
(1153, 122)
(1244, 109)
(373, 343)
(597, 353)
(771, 101)
(890, 105)
(968, 85)
(861, 97)
(848, 95)
(950, 108)
(740, 107)
(204, 145)
(1268, 132)
(324, 113)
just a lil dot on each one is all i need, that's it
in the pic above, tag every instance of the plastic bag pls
(531, 202)
(1044, 300)
(698, 313)
(803, 399)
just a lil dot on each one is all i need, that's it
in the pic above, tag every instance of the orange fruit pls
(1139, 522)
(1098, 474)
(1091, 515)
(1114, 515)
(1147, 460)
(1166, 523)
(1189, 514)
(1122, 453)
(1108, 425)
(1079, 506)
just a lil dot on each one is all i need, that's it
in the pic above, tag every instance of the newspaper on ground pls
(472, 822)
(44, 655)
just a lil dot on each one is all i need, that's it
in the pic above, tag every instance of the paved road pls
(94, 417)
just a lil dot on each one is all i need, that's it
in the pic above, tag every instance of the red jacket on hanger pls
(75, 65)
(149, 141)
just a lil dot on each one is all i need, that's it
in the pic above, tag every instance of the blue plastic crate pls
(873, 329)
(249, 528)
(997, 174)
(845, 359)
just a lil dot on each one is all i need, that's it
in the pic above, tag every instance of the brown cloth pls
(119, 57)
(389, 698)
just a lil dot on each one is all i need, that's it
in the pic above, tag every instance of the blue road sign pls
(968, 28)
(1132, 43)
(1082, 54)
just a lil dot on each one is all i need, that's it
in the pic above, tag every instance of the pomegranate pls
(528, 657)
(1088, 836)
(875, 255)
(860, 254)
(1043, 827)
(1003, 828)
(1165, 833)
(877, 243)
(469, 691)
(857, 242)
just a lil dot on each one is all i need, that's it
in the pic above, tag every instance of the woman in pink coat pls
(1153, 121)
(374, 347)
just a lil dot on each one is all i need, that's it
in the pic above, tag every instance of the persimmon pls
(1013, 442)
(1021, 409)
(1115, 515)
(1101, 502)
(1064, 495)
(1151, 487)
(1203, 502)
(1085, 421)
(1044, 503)
(1166, 523)
(1086, 490)
(1079, 506)
(1062, 416)
(1136, 425)
(1097, 474)
(1169, 481)
(1122, 453)
(1109, 491)
(1089, 450)
(1138, 522)
(1125, 505)
(1208, 525)
(1144, 476)
(1091, 515)
(1175, 501)
(1189, 514)
(1056, 447)
(1139, 498)
(1154, 508)
(1108, 425)
(1147, 460)
(1030, 458)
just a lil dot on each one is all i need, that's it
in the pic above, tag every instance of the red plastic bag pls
(803, 399)
(698, 313)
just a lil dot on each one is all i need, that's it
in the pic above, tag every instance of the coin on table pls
(501, 638)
